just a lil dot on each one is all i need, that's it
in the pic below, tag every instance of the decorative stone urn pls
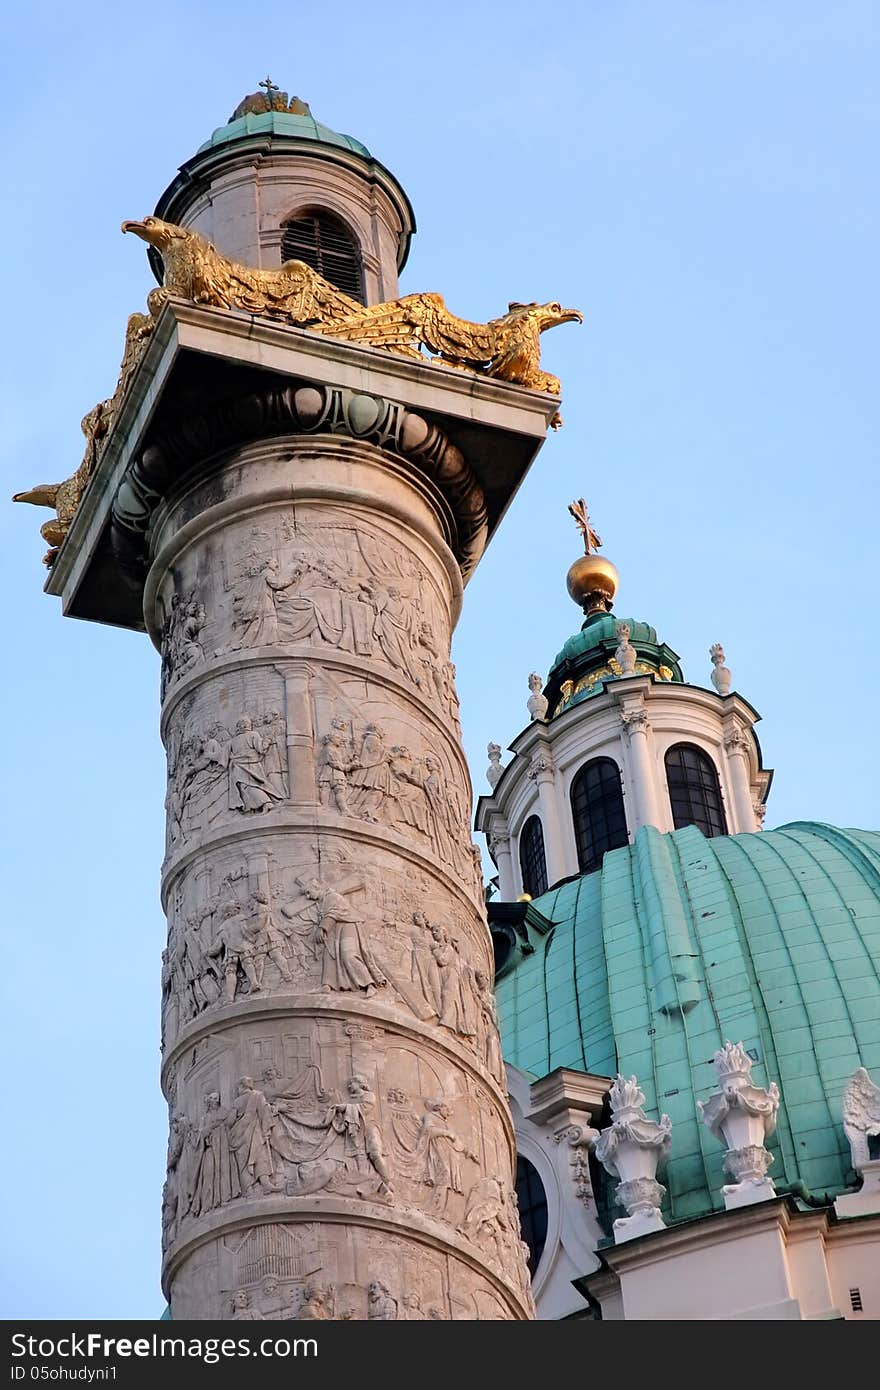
(742, 1117)
(720, 676)
(632, 1149)
(537, 701)
(494, 771)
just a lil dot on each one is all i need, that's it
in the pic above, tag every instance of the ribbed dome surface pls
(679, 943)
(283, 123)
(603, 628)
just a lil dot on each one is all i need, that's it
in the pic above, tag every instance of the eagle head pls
(154, 231)
(549, 315)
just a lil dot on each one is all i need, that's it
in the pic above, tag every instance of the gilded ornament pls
(65, 497)
(592, 579)
(507, 348)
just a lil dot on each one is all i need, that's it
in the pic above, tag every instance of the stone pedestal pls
(340, 1143)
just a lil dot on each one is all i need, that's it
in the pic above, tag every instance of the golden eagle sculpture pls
(507, 348)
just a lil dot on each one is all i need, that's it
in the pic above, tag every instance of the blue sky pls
(701, 180)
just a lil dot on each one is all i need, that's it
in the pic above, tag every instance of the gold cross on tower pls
(582, 518)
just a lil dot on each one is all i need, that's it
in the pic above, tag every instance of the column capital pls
(498, 837)
(542, 766)
(634, 720)
(736, 740)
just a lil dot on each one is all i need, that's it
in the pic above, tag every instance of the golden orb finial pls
(592, 580)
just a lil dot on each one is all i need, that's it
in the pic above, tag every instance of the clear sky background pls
(701, 179)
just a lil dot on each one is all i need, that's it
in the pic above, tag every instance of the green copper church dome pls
(680, 943)
(588, 660)
(283, 124)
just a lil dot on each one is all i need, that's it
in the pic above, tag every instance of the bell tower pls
(273, 184)
(287, 492)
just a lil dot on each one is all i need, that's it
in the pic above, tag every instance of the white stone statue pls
(632, 1149)
(861, 1122)
(742, 1116)
(626, 653)
(861, 1115)
(720, 676)
(537, 702)
(494, 771)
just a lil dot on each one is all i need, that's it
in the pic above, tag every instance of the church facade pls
(689, 1005)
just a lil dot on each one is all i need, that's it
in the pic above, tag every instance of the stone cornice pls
(555, 1096)
(704, 1232)
(493, 427)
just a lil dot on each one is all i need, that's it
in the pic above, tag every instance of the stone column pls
(736, 746)
(499, 844)
(544, 774)
(330, 1058)
(644, 803)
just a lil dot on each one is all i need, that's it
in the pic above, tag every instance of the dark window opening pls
(597, 808)
(532, 1202)
(532, 860)
(694, 790)
(328, 247)
(855, 1298)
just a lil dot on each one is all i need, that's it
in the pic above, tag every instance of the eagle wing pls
(417, 320)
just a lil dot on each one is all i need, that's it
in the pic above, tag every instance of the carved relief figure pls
(318, 1303)
(175, 1199)
(380, 1304)
(213, 773)
(216, 1176)
(430, 1151)
(454, 1011)
(250, 1121)
(393, 628)
(491, 1040)
(235, 949)
(181, 639)
(370, 776)
(254, 620)
(408, 802)
(347, 961)
(357, 775)
(424, 970)
(242, 1310)
(274, 732)
(486, 1218)
(336, 1145)
(334, 764)
(270, 940)
(249, 788)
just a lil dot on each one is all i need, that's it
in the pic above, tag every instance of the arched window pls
(532, 861)
(328, 247)
(532, 1202)
(597, 808)
(694, 792)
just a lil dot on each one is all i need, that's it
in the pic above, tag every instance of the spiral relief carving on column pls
(330, 1046)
